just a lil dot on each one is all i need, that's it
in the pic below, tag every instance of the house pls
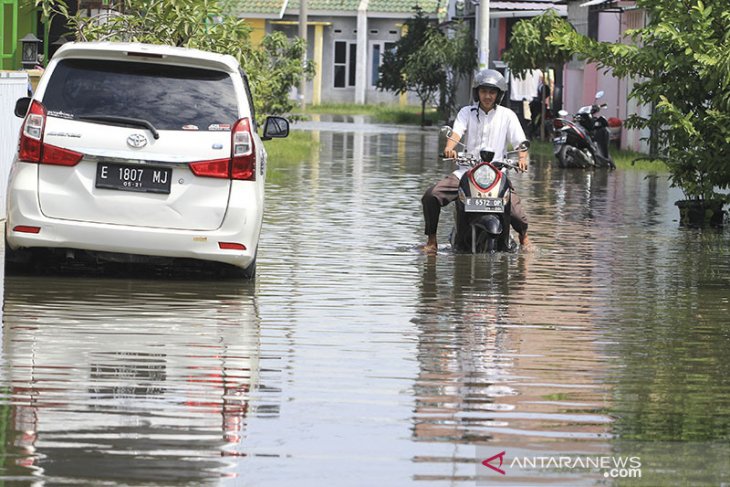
(502, 18)
(346, 40)
(17, 19)
(605, 21)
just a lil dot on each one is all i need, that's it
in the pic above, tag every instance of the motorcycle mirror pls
(448, 132)
(599, 94)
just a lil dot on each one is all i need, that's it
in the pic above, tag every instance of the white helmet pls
(492, 79)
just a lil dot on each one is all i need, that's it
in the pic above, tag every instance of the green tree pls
(528, 49)
(48, 10)
(457, 53)
(413, 65)
(680, 62)
(273, 68)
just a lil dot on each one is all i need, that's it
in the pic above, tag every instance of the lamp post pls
(483, 34)
(303, 34)
(29, 51)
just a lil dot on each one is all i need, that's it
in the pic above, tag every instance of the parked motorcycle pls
(583, 141)
(482, 211)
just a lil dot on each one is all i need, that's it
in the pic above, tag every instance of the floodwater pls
(354, 360)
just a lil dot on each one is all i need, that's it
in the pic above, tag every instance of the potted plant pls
(702, 206)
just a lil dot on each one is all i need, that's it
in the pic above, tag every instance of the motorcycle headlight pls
(484, 176)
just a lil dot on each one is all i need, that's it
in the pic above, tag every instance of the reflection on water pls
(124, 379)
(355, 360)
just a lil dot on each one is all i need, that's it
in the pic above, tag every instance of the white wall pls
(13, 85)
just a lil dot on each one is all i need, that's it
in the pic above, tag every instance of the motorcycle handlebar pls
(508, 165)
(464, 160)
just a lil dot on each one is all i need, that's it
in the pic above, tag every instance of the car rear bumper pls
(101, 238)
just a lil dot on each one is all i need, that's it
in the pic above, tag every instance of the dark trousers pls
(447, 190)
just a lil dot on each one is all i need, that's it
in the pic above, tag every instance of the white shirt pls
(524, 88)
(492, 131)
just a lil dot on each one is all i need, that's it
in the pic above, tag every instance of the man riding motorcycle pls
(487, 125)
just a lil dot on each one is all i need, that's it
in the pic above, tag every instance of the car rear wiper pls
(137, 122)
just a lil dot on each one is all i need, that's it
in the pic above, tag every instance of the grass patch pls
(628, 160)
(541, 149)
(380, 113)
(292, 150)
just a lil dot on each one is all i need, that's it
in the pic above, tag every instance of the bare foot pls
(428, 248)
(431, 246)
(525, 244)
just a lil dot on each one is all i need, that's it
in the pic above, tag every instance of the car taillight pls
(32, 148)
(218, 168)
(243, 154)
(60, 156)
(242, 163)
(31, 133)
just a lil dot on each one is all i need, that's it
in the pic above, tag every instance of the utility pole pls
(483, 34)
(303, 35)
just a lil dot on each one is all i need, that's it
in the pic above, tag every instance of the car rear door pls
(138, 126)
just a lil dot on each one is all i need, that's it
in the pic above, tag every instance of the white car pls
(138, 153)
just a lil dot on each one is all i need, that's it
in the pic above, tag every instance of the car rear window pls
(169, 97)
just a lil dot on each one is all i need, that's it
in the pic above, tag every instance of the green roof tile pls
(374, 5)
(328, 5)
(403, 6)
(270, 7)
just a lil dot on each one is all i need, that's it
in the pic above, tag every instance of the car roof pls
(147, 53)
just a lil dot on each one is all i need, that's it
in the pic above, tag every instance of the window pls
(344, 65)
(167, 96)
(378, 49)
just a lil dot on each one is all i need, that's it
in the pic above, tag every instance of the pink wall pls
(581, 82)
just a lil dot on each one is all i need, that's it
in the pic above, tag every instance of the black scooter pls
(583, 142)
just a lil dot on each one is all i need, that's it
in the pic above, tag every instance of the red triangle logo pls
(488, 462)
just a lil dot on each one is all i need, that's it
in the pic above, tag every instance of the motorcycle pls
(482, 210)
(583, 141)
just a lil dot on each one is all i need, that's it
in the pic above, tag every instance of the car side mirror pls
(275, 127)
(21, 106)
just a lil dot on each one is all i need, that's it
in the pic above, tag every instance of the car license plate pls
(484, 205)
(126, 177)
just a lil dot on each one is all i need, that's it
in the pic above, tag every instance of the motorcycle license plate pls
(561, 139)
(484, 205)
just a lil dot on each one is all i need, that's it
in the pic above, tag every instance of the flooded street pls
(354, 360)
